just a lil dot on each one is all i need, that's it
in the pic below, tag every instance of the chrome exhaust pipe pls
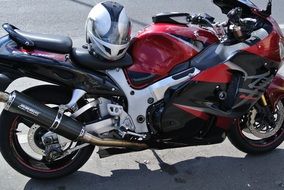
(61, 124)
(87, 137)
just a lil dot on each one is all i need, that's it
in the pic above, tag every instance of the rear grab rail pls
(19, 39)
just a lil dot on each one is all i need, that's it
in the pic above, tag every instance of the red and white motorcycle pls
(184, 81)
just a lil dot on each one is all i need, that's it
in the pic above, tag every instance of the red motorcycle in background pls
(185, 80)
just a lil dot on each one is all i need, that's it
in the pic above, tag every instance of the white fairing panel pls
(226, 51)
(138, 99)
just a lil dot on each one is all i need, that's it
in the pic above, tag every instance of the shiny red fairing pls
(267, 48)
(275, 91)
(276, 26)
(217, 74)
(160, 47)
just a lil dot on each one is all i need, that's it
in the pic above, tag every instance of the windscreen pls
(248, 3)
(227, 5)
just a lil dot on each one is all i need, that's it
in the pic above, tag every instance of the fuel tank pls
(161, 47)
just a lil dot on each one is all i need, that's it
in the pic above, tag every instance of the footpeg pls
(124, 133)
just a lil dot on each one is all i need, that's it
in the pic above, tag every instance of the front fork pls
(268, 113)
(263, 101)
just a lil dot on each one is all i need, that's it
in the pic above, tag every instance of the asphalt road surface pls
(208, 167)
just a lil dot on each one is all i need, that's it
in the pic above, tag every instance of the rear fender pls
(6, 79)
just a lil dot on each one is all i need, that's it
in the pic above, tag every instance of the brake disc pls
(32, 134)
(262, 129)
(35, 140)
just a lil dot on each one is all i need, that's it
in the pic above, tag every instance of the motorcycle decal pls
(255, 88)
(28, 110)
(250, 92)
(261, 81)
(247, 97)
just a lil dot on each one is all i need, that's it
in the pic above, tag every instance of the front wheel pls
(255, 133)
(21, 140)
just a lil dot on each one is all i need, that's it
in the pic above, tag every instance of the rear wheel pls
(255, 133)
(22, 147)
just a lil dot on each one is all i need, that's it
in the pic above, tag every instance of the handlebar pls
(241, 28)
(201, 20)
(208, 21)
(235, 28)
(234, 16)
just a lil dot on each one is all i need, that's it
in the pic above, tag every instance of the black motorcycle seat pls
(83, 58)
(47, 42)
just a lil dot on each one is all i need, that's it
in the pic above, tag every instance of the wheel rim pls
(32, 162)
(272, 134)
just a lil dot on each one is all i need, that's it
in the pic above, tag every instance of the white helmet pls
(108, 30)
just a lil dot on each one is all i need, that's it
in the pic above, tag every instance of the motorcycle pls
(186, 80)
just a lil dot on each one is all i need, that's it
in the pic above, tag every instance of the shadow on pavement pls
(91, 5)
(251, 172)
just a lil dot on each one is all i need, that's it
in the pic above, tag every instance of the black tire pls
(259, 146)
(24, 163)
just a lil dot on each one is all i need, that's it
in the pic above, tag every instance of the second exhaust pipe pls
(61, 124)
